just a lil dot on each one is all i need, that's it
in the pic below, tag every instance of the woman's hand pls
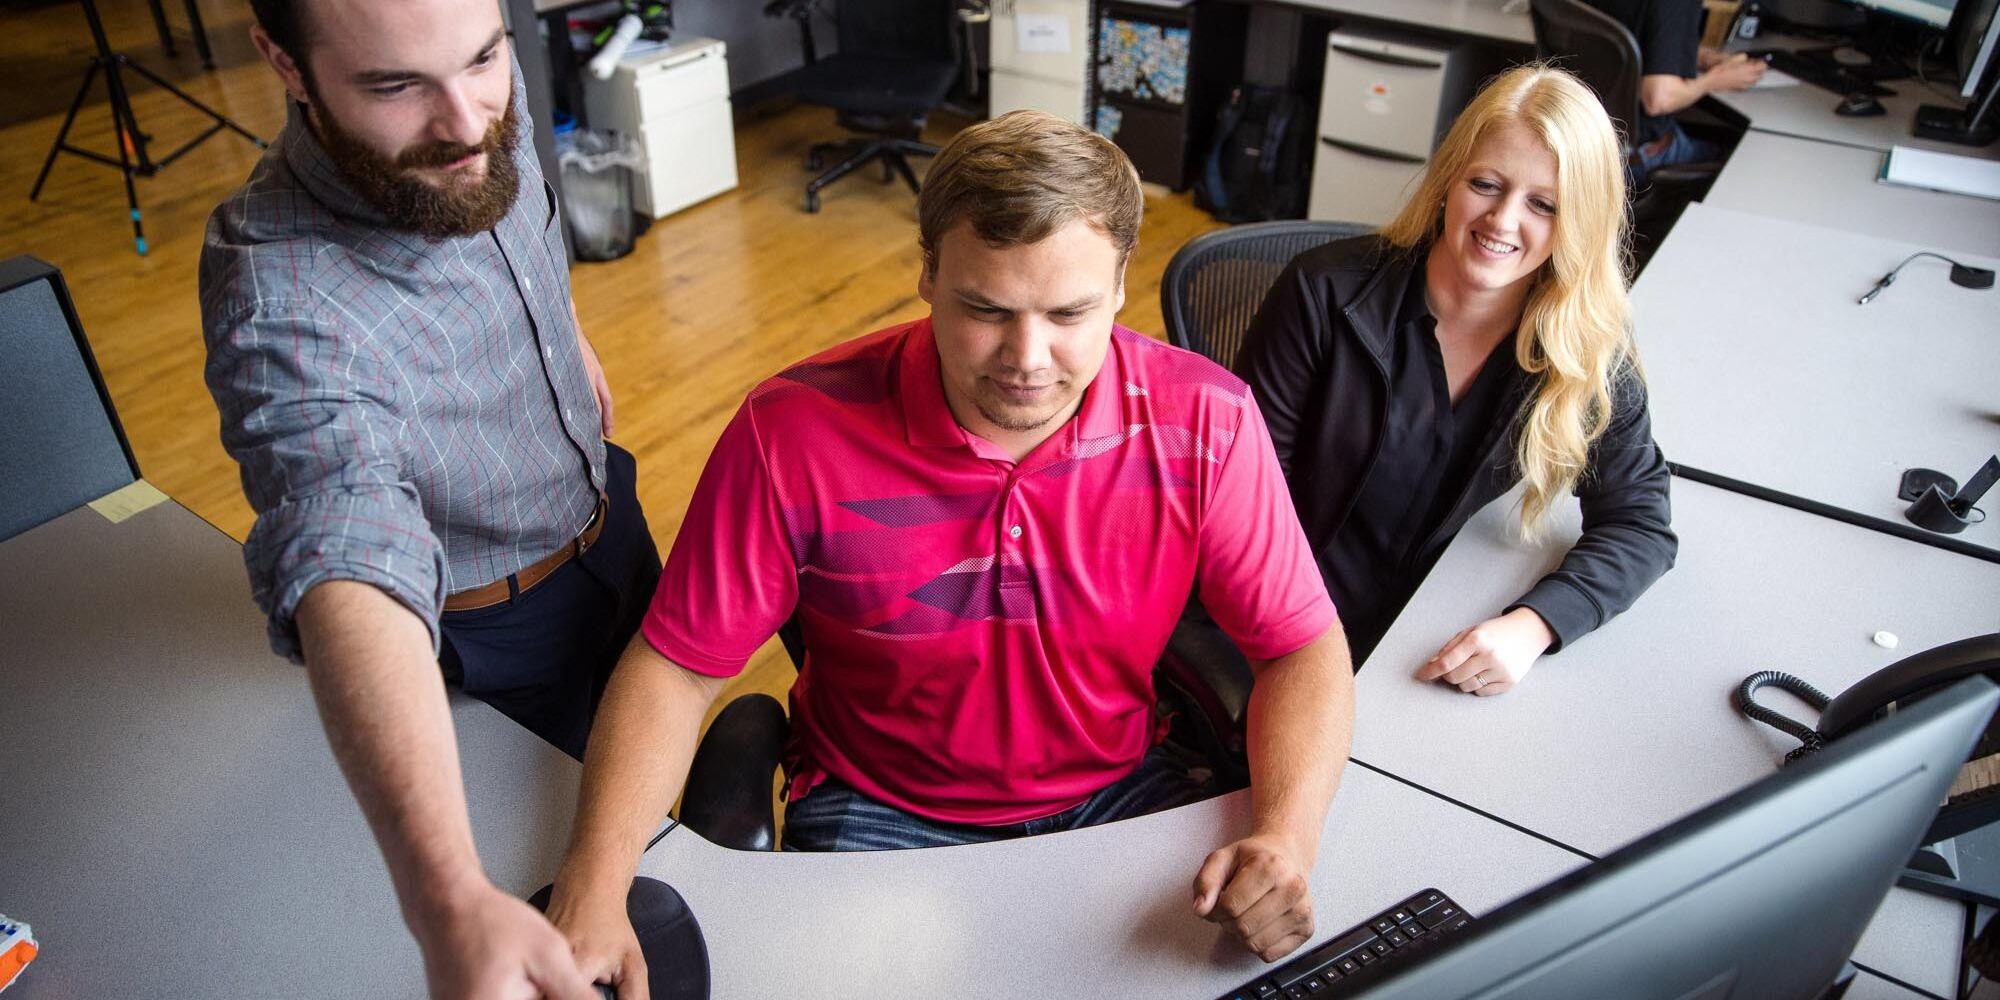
(1492, 656)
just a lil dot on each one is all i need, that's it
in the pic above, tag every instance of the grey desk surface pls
(1484, 19)
(1806, 111)
(1825, 184)
(1762, 368)
(172, 823)
(981, 919)
(1631, 727)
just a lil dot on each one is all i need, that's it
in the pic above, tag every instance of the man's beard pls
(437, 213)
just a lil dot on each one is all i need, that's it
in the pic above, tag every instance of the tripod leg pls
(69, 119)
(125, 122)
(200, 35)
(160, 25)
(219, 117)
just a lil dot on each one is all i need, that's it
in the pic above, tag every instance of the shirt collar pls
(929, 423)
(317, 173)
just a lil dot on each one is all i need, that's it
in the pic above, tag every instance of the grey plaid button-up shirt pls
(408, 414)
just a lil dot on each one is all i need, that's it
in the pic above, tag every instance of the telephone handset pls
(1974, 800)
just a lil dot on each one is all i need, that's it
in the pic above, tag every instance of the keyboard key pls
(1383, 925)
(1365, 957)
(1295, 993)
(1441, 913)
(1314, 987)
(1348, 966)
(1396, 938)
(1400, 915)
(1413, 929)
(1423, 901)
(1265, 990)
(1380, 948)
(1460, 924)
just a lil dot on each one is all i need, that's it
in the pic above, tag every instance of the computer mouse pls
(1848, 55)
(1859, 106)
(676, 954)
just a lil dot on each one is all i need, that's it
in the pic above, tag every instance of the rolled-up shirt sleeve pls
(310, 413)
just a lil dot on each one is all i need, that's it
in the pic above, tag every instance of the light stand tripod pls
(132, 156)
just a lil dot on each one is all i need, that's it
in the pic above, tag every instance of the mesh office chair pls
(897, 60)
(61, 445)
(1603, 54)
(1214, 284)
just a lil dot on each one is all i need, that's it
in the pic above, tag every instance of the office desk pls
(1477, 19)
(1826, 184)
(1632, 726)
(1763, 369)
(1806, 111)
(1097, 912)
(172, 823)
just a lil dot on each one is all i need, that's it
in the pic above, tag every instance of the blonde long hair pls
(1575, 328)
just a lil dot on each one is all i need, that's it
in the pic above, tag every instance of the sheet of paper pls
(1042, 33)
(1948, 172)
(122, 503)
(1773, 78)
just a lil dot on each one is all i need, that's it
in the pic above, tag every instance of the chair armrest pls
(727, 798)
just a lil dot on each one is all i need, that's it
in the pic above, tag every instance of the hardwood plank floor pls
(711, 300)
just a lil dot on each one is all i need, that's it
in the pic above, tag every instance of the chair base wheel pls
(812, 202)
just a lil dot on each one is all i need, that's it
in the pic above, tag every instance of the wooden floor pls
(712, 300)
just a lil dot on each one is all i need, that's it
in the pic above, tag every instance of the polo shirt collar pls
(928, 421)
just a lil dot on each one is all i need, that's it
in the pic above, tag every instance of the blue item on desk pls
(676, 954)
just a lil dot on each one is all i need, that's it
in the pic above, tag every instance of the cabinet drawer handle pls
(1370, 151)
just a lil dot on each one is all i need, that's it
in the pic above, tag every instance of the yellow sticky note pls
(128, 500)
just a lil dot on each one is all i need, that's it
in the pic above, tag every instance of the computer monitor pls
(1759, 897)
(1936, 13)
(1971, 43)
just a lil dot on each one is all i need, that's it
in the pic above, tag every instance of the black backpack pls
(1258, 167)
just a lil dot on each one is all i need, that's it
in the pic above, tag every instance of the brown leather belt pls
(527, 576)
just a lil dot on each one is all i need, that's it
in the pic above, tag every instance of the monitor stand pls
(1964, 867)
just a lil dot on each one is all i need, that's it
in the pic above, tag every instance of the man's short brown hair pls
(1024, 175)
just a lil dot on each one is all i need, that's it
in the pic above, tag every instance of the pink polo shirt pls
(981, 633)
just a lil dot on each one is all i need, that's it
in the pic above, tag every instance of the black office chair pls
(897, 60)
(61, 444)
(1216, 281)
(1602, 52)
(1202, 682)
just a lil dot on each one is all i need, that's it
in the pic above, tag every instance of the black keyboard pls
(1385, 941)
(1824, 74)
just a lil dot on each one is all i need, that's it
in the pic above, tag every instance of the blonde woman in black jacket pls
(1480, 340)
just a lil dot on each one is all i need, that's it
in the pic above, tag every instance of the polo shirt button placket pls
(1014, 532)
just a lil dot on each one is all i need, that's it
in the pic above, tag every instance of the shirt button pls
(1014, 532)
(568, 415)
(548, 354)
(527, 284)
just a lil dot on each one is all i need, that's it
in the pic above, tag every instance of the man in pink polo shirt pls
(986, 523)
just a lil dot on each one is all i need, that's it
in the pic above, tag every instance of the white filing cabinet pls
(1040, 57)
(674, 102)
(1384, 103)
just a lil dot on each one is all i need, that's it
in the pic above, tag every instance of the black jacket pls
(1314, 356)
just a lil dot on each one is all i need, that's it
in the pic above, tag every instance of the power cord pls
(1962, 275)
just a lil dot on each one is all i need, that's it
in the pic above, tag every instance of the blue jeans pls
(1673, 147)
(835, 817)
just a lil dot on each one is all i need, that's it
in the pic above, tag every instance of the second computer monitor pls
(1759, 897)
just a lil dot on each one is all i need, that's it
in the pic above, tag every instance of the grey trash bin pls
(597, 192)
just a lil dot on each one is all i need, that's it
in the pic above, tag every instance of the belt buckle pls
(579, 544)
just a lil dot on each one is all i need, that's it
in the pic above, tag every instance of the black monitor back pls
(1760, 897)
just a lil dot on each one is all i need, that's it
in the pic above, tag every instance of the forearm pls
(1301, 722)
(1665, 94)
(640, 747)
(382, 702)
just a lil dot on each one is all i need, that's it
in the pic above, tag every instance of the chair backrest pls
(1216, 282)
(1598, 49)
(61, 445)
(899, 29)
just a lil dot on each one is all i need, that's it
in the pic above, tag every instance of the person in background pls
(1676, 70)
